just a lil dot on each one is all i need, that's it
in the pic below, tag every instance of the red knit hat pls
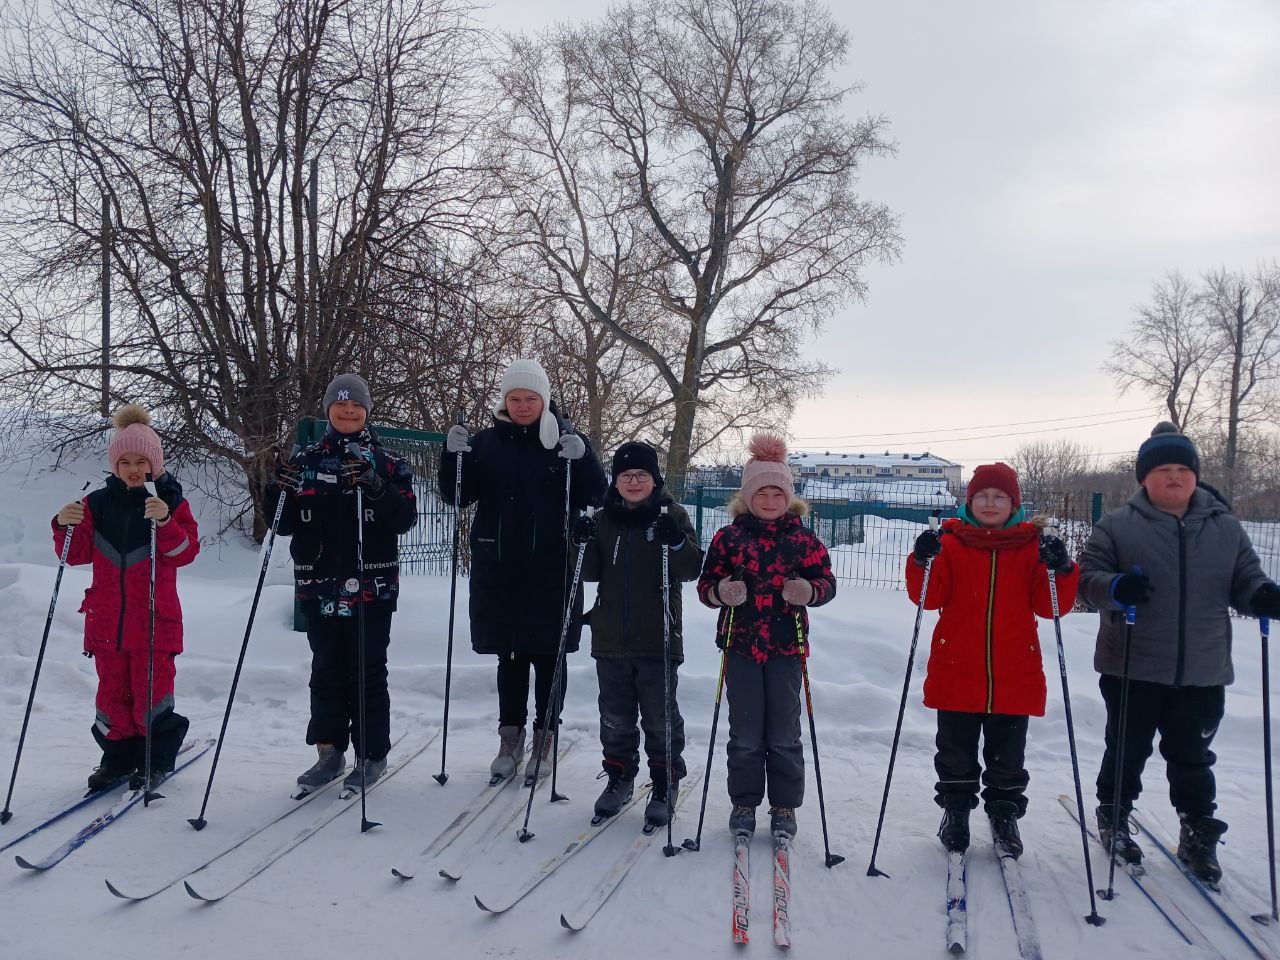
(998, 475)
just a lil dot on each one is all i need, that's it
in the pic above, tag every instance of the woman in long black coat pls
(514, 471)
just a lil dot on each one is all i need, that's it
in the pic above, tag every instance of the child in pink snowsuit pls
(112, 531)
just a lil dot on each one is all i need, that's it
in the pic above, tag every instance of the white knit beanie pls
(529, 375)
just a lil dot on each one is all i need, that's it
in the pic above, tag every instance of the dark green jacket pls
(626, 560)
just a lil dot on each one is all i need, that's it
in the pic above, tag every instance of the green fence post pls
(697, 523)
(1097, 506)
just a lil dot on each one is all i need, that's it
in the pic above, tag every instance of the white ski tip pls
(115, 892)
(564, 922)
(401, 874)
(26, 864)
(446, 874)
(480, 904)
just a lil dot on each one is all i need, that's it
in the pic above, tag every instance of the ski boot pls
(364, 773)
(542, 742)
(510, 753)
(1004, 828)
(655, 811)
(953, 831)
(329, 765)
(110, 771)
(1198, 847)
(742, 821)
(614, 796)
(1116, 834)
(782, 822)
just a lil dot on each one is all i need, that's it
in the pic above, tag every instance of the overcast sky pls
(1054, 159)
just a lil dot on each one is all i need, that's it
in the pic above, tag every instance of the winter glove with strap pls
(1265, 601)
(797, 592)
(928, 545)
(1132, 589)
(1054, 555)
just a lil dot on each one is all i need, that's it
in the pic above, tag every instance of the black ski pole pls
(1093, 919)
(1264, 628)
(670, 849)
(6, 815)
(831, 858)
(442, 777)
(365, 823)
(148, 794)
(696, 843)
(199, 821)
(557, 690)
(553, 708)
(872, 869)
(1130, 616)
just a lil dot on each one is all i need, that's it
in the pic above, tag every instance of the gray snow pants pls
(764, 731)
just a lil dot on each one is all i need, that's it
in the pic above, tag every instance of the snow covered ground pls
(334, 895)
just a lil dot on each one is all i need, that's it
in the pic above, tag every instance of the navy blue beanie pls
(1167, 444)
(637, 455)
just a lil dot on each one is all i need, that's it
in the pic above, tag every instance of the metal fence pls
(869, 526)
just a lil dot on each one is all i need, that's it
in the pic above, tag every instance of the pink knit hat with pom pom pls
(134, 435)
(767, 466)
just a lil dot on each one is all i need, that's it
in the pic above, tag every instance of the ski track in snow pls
(335, 890)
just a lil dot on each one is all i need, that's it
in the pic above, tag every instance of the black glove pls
(1054, 555)
(361, 472)
(666, 530)
(584, 530)
(1131, 589)
(1265, 601)
(928, 545)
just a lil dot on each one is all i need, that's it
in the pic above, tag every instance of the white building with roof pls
(875, 467)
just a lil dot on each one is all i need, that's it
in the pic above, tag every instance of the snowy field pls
(334, 895)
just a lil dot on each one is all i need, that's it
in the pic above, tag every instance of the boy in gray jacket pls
(1177, 554)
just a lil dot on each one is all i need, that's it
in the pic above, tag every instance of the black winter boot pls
(1004, 828)
(782, 822)
(615, 795)
(1118, 831)
(742, 821)
(1198, 847)
(655, 811)
(953, 831)
(112, 770)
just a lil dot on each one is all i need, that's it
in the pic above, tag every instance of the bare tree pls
(685, 178)
(287, 181)
(1243, 314)
(1168, 353)
(1051, 467)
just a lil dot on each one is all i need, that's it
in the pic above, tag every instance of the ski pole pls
(557, 693)
(148, 794)
(1130, 616)
(696, 843)
(553, 708)
(670, 849)
(365, 823)
(1093, 919)
(831, 858)
(199, 821)
(442, 777)
(6, 815)
(1264, 628)
(872, 869)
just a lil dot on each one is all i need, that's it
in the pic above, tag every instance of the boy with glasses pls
(624, 555)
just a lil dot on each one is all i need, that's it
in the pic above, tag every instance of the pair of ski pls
(494, 788)
(192, 750)
(781, 889)
(237, 879)
(602, 891)
(1166, 904)
(1024, 924)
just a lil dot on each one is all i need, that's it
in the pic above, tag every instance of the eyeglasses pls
(634, 476)
(994, 499)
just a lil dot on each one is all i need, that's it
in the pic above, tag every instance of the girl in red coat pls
(985, 674)
(112, 530)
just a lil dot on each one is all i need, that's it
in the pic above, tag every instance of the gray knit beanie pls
(348, 386)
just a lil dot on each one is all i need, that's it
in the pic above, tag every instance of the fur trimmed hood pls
(737, 506)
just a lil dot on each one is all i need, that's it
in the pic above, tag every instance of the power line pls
(983, 426)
